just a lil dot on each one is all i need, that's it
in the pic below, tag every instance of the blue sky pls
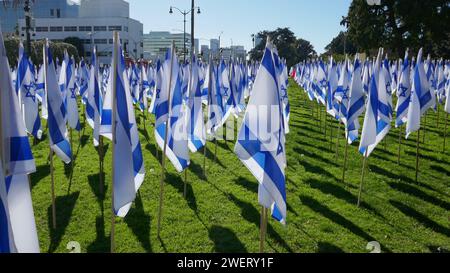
(313, 20)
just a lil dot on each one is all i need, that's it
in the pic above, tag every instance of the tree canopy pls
(293, 49)
(400, 24)
(341, 45)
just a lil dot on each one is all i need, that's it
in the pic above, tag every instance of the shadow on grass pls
(251, 186)
(197, 170)
(175, 181)
(144, 133)
(225, 240)
(315, 156)
(390, 175)
(336, 218)
(210, 156)
(64, 208)
(102, 243)
(83, 140)
(252, 215)
(419, 217)
(41, 172)
(94, 182)
(151, 147)
(139, 223)
(415, 192)
(338, 192)
(440, 169)
(316, 169)
(325, 247)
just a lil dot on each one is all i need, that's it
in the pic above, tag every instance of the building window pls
(85, 28)
(111, 41)
(52, 12)
(41, 29)
(115, 28)
(87, 41)
(70, 28)
(100, 41)
(99, 28)
(126, 29)
(56, 29)
(58, 13)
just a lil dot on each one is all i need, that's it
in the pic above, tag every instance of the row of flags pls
(181, 96)
(347, 89)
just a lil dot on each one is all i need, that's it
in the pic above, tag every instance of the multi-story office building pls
(94, 25)
(156, 44)
(10, 16)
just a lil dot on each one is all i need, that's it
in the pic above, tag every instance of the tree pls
(397, 24)
(12, 50)
(289, 47)
(341, 45)
(76, 42)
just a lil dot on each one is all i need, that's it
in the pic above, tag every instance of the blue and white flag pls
(262, 148)
(56, 111)
(215, 101)
(403, 93)
(83, 80)
(128, 164)
(134, 82)
(375, 126)
(177, 136)
(342, 91)
(25, 86)
(356, 102)
(157, 87)
(143, 90)
(332, 103)
(94, 100)
(40, 92)
(17, 224)
(196, 125)
(421, 97)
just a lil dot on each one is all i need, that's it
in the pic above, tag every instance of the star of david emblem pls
(72, 93)
(344, 93)
(158, 93)
(29, 94)
(403, 90)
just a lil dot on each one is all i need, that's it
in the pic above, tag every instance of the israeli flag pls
(215, 101)
(143, 90)
(262, 150)
(40, 92)
(134, 80)
(94, 100)
(128, 164)
(440, 84)
(67, 86)
(421, 97)
(25, 86)
(196, 125)
(342, 91)
(157, 88)
(375, 126)
(356, 102)
(403, 93)
(225, 91)
(56, 111)
(17, 224)
(83, 80)
(332, 103)
(177, 136)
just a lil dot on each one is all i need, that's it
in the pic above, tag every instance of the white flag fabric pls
(17, 223)
(356, 103)
(196, 125)
(128, 164)
(262, 150)
(56, 112)
(94, 100)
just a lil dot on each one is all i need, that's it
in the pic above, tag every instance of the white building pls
(156, 44)
(95, 24)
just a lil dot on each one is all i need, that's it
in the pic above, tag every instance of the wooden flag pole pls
(345, 161)
(337, 140)
(100, 156)
(53, 189)
(437, 112)
(445, 129)
(362, 176)
(163, 160)
(215, 150)
(52, 176)
(204, 158)
(262, 229)
(325, 124)
(417, 155)
(113, 122)
(424, 128)
(399, 144)
(331, 134)
(185, 183)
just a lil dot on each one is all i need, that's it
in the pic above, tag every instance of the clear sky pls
(314, 20)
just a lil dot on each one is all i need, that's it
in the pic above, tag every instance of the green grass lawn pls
(221, 213)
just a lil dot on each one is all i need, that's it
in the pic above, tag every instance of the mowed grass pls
(221, 211)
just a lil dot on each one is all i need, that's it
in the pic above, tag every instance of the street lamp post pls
(184, 13)
(27, 9)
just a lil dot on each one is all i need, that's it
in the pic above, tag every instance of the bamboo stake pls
(331, 134)
(399, 144)
(185, 183)
(100, 155)
(337, 140)
(424, 128)
(114, 103)
(215, 150)
(417, 155)
(345, 161)
(445, 130)
(262, 229)
(163, 160)
(362, 176)
(437, 112)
